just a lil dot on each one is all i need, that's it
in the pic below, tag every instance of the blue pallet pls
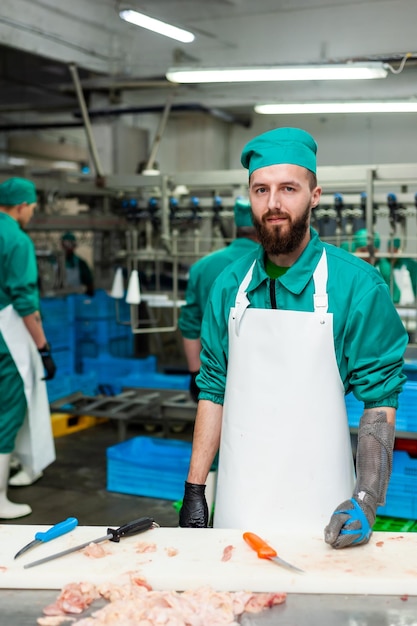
(150, 467)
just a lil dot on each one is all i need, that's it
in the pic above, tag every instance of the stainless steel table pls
(23, 607)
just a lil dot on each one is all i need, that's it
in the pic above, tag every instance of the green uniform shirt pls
(369, 337)
(202, 276)
(18, 269)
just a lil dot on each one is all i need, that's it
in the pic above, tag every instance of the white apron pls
(285, 459)
(403, 279)
(34, 443)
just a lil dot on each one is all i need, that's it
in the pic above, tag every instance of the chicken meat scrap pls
(135, 603)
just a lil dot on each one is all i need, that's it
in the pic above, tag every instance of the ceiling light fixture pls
(347, 71)
(139, 19)
(337, 107)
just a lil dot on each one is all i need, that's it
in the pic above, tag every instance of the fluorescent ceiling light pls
(352, 71)
(156, 26)
(337, 107)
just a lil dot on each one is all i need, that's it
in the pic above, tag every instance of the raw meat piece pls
(227, 553)
(144, 546)
(74, 599)
(134, 603)
(95, 551)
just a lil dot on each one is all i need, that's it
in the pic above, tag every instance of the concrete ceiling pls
(122, 66)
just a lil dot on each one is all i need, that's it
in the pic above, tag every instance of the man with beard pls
(288, 331)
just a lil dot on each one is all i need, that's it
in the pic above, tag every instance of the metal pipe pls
(159, 132)
(370, 175)
(86, 120)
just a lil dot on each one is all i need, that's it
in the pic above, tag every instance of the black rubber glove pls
(194, 390)
(48, 362)
(194, 510)
(351, 523)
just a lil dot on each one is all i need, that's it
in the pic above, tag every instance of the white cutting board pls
(385, 566)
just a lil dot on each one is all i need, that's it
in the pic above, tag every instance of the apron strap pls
(321, 302)
(242, 302)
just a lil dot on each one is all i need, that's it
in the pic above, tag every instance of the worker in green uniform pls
(25, 355)
(77, 273)
(289, 330)
(383, 265)
(202, 275)
(405, 272)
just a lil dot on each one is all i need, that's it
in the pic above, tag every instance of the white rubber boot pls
(9, 510)
(24, 478)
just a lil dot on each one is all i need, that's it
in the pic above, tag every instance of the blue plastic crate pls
(406, 418)
(106, 334)
(65, 360)
(99, 306)
(64, 385)
(401, 499)
(147, 466)
(410, 369)
(58, 387)
(156, 380)
(403, 506)
(58, 321)
(109, 368)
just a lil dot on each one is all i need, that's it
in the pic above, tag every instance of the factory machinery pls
(143, 233)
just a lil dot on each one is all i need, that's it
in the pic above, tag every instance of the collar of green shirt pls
(299, 274)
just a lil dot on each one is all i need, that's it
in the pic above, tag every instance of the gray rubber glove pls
(194, 510)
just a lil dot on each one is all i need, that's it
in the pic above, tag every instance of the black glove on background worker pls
(194, 390)
(194, 510)
(47, 361)
(351, 523)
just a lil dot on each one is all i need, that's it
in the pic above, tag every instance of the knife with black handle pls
(113, 534)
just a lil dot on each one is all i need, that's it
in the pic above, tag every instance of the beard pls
(284, 238)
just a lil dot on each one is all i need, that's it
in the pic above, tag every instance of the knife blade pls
(265, 551)
(127, 530)
(55, 531)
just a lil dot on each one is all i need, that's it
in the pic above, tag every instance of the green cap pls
(68, 236)
(360, 239)
(281, 145)
(16, 191)
(243, 212)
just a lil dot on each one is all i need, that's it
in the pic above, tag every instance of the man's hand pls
(194, 390)
(194, 510)
(47, 361)
(351, 523)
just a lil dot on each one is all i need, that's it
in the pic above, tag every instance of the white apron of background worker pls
(285, 454)
(34, 443)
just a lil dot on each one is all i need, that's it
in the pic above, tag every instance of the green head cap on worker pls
(242, 212)
(68, 242)
(293, 146)
(15, 191)
(360, 239)
(69, 236)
